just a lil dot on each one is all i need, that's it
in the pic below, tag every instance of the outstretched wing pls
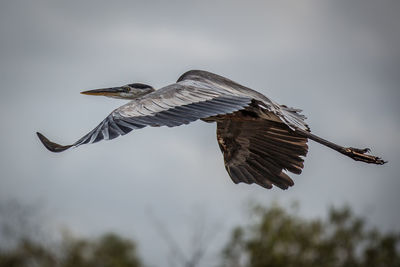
(173, 105)
(257, 150)
(292, 117)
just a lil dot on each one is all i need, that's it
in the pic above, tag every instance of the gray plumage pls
(259, 138)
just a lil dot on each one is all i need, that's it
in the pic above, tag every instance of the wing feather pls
(170, 106)
(290, 116)
(258, 150)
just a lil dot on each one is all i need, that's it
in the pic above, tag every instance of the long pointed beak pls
(112, 91)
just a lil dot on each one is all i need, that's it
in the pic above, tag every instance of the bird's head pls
(129, 91)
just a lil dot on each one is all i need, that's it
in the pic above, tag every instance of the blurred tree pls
(27, 253)
(109, 250)
(21, 222)
(279, 238)
(25, 241)
(276, 237)
(200, 234)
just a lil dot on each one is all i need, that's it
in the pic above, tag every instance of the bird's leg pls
(354, 153)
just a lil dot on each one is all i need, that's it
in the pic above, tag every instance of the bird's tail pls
(354, 153)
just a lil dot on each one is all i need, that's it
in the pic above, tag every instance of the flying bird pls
(260, 139)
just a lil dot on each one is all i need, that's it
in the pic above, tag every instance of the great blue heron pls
(258, 137)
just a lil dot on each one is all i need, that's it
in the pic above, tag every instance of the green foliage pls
(275, 237)
(27, 253)
(109, 250)
(279, 238)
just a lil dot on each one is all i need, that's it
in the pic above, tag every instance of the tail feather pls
(293, 117)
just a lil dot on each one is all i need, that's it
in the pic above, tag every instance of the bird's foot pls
(359, 155)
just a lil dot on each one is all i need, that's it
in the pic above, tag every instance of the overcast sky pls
(339, 61)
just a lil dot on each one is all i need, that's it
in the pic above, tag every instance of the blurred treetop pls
(279, 238)
(109, 250)
(276, 237)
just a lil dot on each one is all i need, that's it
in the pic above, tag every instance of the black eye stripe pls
(139, 85)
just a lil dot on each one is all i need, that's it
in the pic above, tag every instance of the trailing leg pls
(354, 153)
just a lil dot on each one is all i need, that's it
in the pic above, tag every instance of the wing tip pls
(53, 147)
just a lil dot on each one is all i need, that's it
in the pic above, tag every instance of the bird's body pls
(258, 137)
